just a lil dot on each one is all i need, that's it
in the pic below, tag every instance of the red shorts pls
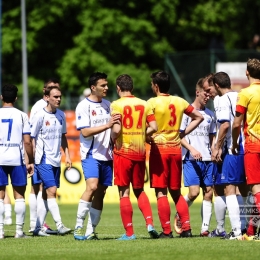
(252, 168)
(165, 170)
(127, 171)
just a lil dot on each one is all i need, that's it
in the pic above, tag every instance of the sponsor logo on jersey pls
(94, 113)
(47, 123)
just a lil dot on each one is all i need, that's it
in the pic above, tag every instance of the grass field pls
(110, 228)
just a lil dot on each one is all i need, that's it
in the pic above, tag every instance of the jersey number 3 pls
(128, 119)
(173, 115)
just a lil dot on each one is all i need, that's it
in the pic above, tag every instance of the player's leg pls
(105, 180)
(142, 199)
(33, 204)
(159, 172)
(181, 205)
(90, 168)
(8, 210)
(123, 177)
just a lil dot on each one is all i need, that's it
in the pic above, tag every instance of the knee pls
(193, 195)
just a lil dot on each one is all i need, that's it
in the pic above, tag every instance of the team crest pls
(94, 113)
(47, 123)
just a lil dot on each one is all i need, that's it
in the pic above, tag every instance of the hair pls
(253, 68)
(9, 93)
(199, 85)
(50, 80)
(222, 79)
(125, 82)
(208, 78)
(49, 89)
(162, 79)
(94, 77)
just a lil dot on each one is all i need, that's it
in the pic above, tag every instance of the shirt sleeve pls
(36, 124)
(82, 116)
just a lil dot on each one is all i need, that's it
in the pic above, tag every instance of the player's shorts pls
(252, 168)
(165, 170)
(36, 179)
(127, 171)
(18, 175)
(231, 171)
(198, 173)
(102, 170)
(49, 175)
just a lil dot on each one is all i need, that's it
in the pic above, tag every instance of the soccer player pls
(35, 198)
(248, 112)
(130, 153)
(230, 172)
(48, 129)
(165, 161)
(198, 169)
(94, 122)
(15, 140)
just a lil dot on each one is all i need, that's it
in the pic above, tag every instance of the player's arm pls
(236, 127)
(212, 140)
(195, 154)
(196, 119)
(152, 127)
(65, 147)
(29, 154)
(217, 150)
(116, 130)
(90, 131)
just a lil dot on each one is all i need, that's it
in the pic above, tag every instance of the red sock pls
(126, 211)
(164, 212)
(183, 211)
(145, 207)
(251, 229)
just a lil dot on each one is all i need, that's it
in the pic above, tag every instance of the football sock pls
(164, 212)
(33, 210)
(183, 211)
(206, 212)
(220, 212)
(41, 214)
(8, 210)
(126, 211)
(189, 202)
(94, 217)
(241, 202)
(234, 214)
(83, 209)
(145, 207)
(2, 215)
(54, 210)
(19, 209)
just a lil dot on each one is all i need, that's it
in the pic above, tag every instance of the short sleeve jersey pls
(39, 105)
(168, 111)
(225, 107)
(13, 125)
(248, 103)
(94, 114)
(47, 129)
(199, 137)
(135, 113)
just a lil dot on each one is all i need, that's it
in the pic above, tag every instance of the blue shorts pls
(49, 175)
(18, 175)
(36, 179)
(231, 171)
(102, 170)
(198, 173)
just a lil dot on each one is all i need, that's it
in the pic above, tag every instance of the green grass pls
(110, 228)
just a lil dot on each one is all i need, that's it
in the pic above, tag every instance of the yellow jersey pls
(248, 103)
(135, 113)
(168, 111)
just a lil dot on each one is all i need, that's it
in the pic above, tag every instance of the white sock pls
(206, 212)
(83, 209)
(94, 217)
(189, 202)
(234, 214)
(220, 212)
(19, 209)
(33, 210)
(42, 211)
(241, 201)
(2, 210)
(8, 210)
(55, 211)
